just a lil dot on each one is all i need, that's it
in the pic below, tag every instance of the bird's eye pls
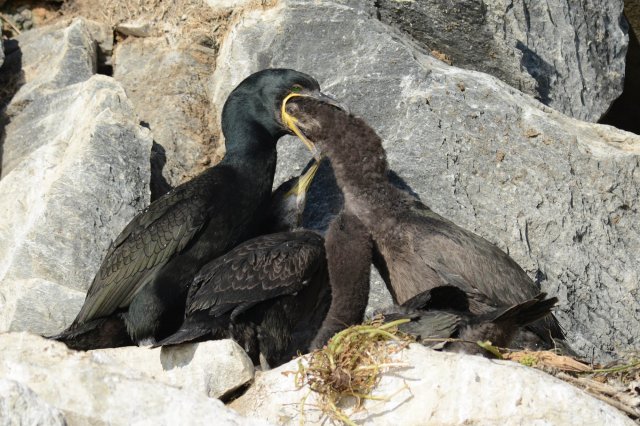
(296, 88)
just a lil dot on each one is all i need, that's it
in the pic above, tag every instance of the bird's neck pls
(251, 151)
(248, 143)
(363, 180)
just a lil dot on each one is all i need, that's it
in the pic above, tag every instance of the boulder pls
(93, 388)
(214, 368)
(75, 170)
(437, 388)
(559, 195)
(167, 85)
(19, 405)
(570, 55)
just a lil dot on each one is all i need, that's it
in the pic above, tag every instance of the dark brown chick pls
(417, 249)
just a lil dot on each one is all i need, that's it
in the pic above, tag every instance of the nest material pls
(617, 384)
(349, 366)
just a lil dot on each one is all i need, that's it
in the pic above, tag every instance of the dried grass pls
(349, 366)
(617, 384)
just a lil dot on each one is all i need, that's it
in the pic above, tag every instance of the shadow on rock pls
(177, 356)
(11, 79)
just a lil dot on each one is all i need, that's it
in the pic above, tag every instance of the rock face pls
(559, 195)
(19, 405)
(75, 170)
(167, 86)
(95, 388)
(570, 55)
(212, 368)
(439, 388)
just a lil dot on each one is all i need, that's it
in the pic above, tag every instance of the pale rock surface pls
(91, 388)
(440, 389)
(167, 85)
(75, 170)
(559, 195)
(569, 54)
(231, 4)
(137, 28)
(19, 405)
(212, 368)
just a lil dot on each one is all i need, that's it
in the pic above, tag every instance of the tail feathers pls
(107, 332)
(188, 333)
(75, 330)
(529, 311)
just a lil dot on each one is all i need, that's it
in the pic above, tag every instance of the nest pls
(349, 366)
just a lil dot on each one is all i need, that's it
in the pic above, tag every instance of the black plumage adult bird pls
(147, 270)
(265, 290)
(271, 293)
(416, 250)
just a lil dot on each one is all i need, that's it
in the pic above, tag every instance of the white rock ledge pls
(119, 386)
(441, 389)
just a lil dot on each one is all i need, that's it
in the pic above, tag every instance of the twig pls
(11, 24)
(616, 369)
(592, 390)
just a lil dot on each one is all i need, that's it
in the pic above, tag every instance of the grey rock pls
(75, 170)
(46, 59)
(167, 86)
(91, 389)
(568, 54)
(64, 202)
(1, 54)
(559, 195)
(214, 368)
(139, 28)
(19, 405)
(427, 389)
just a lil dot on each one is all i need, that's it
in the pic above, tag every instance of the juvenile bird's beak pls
(291, 122)
(304, 181)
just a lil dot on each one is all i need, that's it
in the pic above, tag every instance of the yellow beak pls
(304, 181)
(290, 121)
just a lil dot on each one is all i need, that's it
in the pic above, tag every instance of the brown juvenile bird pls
(433, 326)
(416, 250)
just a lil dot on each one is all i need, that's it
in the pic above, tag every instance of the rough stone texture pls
(74, 54)
(137, 28)
(439, 388)
(75, 170)
(19, 405)
(212, 368)
(90, 389)
(1, 54)
(167, 85)
(559, 195)
(569, 54)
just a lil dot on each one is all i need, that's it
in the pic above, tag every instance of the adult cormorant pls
(258, 292)
(416, 249)
(271, 293)
(145, 274)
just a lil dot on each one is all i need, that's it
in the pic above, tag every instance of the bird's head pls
(261, 96)
(314, 120)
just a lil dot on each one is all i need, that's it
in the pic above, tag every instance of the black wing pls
(259, 269)
(149, 241)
